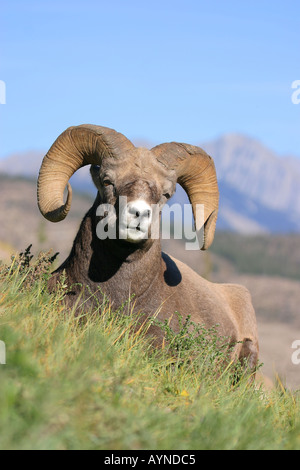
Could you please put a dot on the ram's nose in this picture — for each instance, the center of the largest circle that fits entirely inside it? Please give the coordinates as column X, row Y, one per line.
column 136, row 221
column 139, row 210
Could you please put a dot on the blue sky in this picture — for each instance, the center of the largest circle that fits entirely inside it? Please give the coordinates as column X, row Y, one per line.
column 162, row 70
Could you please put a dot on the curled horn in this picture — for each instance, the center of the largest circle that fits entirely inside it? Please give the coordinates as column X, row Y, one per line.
column 196, row 173
column 74, row 148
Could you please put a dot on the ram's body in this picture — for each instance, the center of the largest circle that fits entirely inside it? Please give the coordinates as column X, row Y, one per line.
column 132, row 262
column 160, row 284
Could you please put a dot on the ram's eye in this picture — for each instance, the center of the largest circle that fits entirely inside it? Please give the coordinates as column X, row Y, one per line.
column 107, row 183
column 167, row 195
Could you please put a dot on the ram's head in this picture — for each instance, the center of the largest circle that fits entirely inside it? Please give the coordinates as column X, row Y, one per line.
column 146, row 178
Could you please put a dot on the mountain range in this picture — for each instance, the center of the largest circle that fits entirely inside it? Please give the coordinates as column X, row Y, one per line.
column 259, row 190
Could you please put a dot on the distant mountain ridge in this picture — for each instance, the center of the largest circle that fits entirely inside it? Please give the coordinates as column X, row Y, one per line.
column 252, row 169
column 253, row 178
column 259, row 190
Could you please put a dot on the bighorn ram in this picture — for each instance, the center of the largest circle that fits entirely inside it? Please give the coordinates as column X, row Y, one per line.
column 133, row 263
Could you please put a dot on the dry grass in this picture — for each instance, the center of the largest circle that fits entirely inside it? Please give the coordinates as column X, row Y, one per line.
column 89, row 383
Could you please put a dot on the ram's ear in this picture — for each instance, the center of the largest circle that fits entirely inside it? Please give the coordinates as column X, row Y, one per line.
column 196, row 173
column 74, row 148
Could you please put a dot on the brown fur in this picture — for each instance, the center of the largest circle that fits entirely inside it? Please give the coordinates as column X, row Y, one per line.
column 160, row 284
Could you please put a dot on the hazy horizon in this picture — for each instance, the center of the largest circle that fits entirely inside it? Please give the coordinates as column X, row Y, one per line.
column 140, row 141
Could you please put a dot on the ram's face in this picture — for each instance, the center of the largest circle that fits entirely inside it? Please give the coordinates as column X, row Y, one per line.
column 137, row 187
column 144, row 177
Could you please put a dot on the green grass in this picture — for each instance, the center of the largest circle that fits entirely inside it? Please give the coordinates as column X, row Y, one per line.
column 95, row 382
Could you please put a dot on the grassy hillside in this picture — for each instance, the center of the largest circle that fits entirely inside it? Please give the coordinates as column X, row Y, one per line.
column 91, row 383
column 268, row 265
column 277, row 255
column 21, row 223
